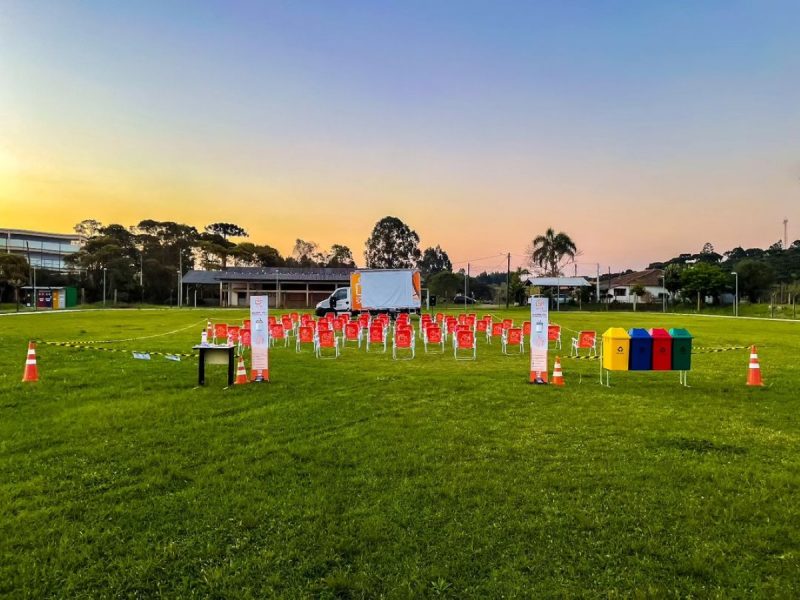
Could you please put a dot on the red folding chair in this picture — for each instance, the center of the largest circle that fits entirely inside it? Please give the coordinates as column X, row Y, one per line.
column 462, row 319
column 513, row 338
column 459, row 329
column 244, row 339
column 432, row 336
column 508, row 323
column 496, row 330
column 305, row 337
column 338, row 326
column 585, row 340
column 277, row 333
column 364, row 322
column 352, row 333
column 450, row 324
column 403, row 340
column 481, row 326
column 220, row 333
column 246, row 324
column 327, row 341
column 294, row 317
column 424, row 321
column 554, row 334
column 376, row 336
column 288, row 324
column 526, row 328
column 465, row 340
column 271, row 320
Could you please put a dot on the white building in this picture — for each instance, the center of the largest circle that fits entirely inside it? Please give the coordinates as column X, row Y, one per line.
column 42, row 250
column 619, row 288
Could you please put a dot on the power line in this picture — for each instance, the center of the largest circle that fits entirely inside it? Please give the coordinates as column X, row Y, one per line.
column 471, row 260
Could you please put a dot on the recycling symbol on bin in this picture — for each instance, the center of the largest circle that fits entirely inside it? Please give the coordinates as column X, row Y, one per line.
column 619, row 350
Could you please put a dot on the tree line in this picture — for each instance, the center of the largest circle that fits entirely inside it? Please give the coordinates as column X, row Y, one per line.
column 141, row 263
column 763, row 274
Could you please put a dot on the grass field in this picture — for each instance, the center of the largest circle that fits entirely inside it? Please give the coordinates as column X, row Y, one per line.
column 365, row 477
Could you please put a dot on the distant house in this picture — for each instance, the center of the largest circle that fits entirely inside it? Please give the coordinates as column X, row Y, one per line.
column 619, row 288
column 286, row 287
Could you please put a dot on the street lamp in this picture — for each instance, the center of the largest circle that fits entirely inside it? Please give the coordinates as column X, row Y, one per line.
column 104, row 287
column 736, row 295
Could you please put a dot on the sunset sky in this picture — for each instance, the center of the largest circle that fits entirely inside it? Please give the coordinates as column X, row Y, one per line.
column 642, row 129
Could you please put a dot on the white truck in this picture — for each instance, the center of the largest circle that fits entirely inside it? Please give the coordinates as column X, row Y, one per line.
column 376, row 290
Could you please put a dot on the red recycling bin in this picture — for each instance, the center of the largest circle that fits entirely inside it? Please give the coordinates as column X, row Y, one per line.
column 662, row 350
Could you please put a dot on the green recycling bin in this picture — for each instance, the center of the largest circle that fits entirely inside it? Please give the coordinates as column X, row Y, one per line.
column 681, row 349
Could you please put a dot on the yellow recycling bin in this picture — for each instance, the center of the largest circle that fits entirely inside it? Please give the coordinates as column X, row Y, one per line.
column 616, row 349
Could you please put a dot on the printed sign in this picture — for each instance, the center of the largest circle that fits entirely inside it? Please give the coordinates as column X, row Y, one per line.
column 259, row 338
column 539, row 322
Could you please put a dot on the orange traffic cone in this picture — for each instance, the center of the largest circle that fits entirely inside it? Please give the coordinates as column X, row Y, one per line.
column 754, row 372
column 31, row 370
column 558, row 378
column 241, row 372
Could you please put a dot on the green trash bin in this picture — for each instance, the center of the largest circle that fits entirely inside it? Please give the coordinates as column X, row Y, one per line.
column 681, row 349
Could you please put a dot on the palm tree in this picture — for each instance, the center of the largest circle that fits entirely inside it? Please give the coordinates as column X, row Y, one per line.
column 547, row 251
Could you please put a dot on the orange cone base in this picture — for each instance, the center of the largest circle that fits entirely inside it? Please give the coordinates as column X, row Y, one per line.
column 754, row 377
column 259, row 375
column 538, row 377
column 31, row 373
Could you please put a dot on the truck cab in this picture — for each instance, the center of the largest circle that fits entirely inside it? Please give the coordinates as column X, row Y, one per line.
column 338, row 301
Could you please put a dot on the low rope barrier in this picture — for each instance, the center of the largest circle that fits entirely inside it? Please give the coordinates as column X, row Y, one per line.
column 695, row 350
column 83, row 347
column 132, row 339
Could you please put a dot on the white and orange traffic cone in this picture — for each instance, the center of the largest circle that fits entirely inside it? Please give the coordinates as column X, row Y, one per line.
column 241, row 372
column 754, row 370
column 31, row 370
column 558, row 378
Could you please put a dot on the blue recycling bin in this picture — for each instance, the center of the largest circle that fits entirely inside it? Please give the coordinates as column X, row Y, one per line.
column 641, row 352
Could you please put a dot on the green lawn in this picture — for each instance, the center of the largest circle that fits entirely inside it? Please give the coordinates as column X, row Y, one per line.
column 365, row 477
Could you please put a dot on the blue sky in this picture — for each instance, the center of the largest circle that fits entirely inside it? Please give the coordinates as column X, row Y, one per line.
column 642, row 129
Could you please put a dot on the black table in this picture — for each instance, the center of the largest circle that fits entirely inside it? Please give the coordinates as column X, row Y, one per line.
column 215, row 355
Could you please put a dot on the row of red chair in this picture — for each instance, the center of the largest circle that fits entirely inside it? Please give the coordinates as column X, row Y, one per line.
column 326, row 335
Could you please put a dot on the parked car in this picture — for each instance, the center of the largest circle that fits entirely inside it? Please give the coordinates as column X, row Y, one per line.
column 462, row 299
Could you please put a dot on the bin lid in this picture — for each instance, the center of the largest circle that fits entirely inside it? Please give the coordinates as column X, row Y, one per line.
column 639, row 333
column 616, row 333
column 680, row 333
column 659, row 333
